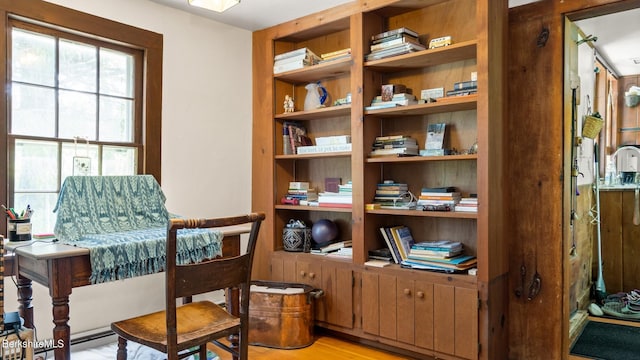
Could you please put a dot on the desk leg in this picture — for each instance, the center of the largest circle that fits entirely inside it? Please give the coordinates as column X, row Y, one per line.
column 60, row 289
column 25, row 296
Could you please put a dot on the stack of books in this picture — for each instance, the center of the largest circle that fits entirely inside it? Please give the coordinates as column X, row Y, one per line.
column 463, row 88
column 293, row 60
column 444, row 255
column 467, row 204
column 439, row 199
column 430, row 250
column 335, row 55
column 343, row 198
column 339, row 248
column 391, row 195
column 394, row 42
column 394, row 145
column 381, row 254
column 399, row 241
column 299, row 193
column 401, row 99
column 337, row 143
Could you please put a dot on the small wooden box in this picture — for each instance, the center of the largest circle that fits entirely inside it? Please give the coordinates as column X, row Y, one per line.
column 281, row 314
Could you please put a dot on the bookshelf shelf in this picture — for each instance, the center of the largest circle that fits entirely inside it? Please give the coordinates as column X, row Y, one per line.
column 411, row 159
column 312, row 208
column 429, row 57
column 450, row 104
column 326, row 70
column 313, row 156
column 324, row 113
column 436, row 214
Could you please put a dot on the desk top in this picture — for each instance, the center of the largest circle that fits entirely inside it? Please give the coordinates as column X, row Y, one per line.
column 47, row 249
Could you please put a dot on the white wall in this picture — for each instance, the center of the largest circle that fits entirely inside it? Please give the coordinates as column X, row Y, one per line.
column 206, row 144
column 586, row 66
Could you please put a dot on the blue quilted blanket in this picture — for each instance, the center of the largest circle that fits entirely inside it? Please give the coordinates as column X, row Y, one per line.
column 122, row 220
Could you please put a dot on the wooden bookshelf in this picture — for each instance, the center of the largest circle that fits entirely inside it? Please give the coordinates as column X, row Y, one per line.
column 417, row 313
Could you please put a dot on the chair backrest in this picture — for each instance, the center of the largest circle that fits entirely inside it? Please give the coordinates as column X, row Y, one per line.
column 214, row 274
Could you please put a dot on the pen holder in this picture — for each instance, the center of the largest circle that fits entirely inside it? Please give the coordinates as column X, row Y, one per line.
column 19, row 229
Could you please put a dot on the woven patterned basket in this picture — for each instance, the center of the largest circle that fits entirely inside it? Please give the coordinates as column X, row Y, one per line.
column 296, row 239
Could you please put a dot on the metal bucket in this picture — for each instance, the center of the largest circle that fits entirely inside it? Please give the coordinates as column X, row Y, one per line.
column 281, row 314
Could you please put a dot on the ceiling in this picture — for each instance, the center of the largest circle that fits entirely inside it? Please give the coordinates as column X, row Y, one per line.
column 618, row 34
column 258, row 14
column 618, row 40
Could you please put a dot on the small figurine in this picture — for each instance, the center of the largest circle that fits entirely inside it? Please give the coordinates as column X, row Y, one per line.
column 288, row 104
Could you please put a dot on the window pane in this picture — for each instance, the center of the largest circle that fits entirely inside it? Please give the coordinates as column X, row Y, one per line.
column 81, row 150
column 77, row 115
column 78, row 66
column 33, row 110
column 116, row 73
column 116, row 119
column 36, row 166
column 43, row 218
column 119, row 160
column 33, row 58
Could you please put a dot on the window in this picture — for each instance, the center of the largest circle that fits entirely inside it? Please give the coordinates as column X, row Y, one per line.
column 75, row 104
column 64, row 88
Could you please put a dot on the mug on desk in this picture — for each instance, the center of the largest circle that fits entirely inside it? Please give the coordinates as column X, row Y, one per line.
column 19, row 229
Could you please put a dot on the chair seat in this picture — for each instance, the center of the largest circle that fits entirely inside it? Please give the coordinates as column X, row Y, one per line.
column 195, row 323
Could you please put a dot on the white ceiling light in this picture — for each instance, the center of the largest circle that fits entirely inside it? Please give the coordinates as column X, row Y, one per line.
column 215, row 5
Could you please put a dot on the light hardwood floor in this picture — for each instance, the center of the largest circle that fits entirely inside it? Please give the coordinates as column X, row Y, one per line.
column 324, row 347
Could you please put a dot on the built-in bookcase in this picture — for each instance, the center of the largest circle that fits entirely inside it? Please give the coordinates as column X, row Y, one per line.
column 417, row 312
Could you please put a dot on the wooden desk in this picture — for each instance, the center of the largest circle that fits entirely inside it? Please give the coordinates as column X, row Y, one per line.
column 63, row 267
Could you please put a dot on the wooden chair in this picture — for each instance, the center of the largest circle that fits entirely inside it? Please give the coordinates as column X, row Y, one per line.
column 179, row 329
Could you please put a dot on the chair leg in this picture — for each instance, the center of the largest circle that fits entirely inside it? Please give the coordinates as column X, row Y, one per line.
column 122, row 349
column 203, row 352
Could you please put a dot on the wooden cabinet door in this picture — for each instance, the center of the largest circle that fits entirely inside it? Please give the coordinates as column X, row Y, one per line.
column 370, row 304
column 444, row 319
column 387, row 306
column 283, row 269
column 309, row 273
column 466, row 323
column 405, row 312
column 277, row 269
column 337, row 283
column 455, row 318
column 423, row 314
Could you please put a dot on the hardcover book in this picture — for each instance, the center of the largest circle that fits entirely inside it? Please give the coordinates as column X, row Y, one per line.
column 435, row 136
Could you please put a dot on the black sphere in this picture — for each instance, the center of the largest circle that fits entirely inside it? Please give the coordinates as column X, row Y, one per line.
column 324, row 231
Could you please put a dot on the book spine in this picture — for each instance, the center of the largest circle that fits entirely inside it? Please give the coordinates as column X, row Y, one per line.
column 299, row 185
column 394, row 252
column 294, row 65
column 401, row 30
column 313, row 149
column 336, row 53
column 297, row 52
column 464, row 85
column 393, row 37
column 386, row 44
column 336, row 205
column 333, row 140
column 398, row 242
column 304, row 57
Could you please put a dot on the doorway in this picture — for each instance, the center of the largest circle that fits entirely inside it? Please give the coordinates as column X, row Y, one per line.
column 601, row 241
